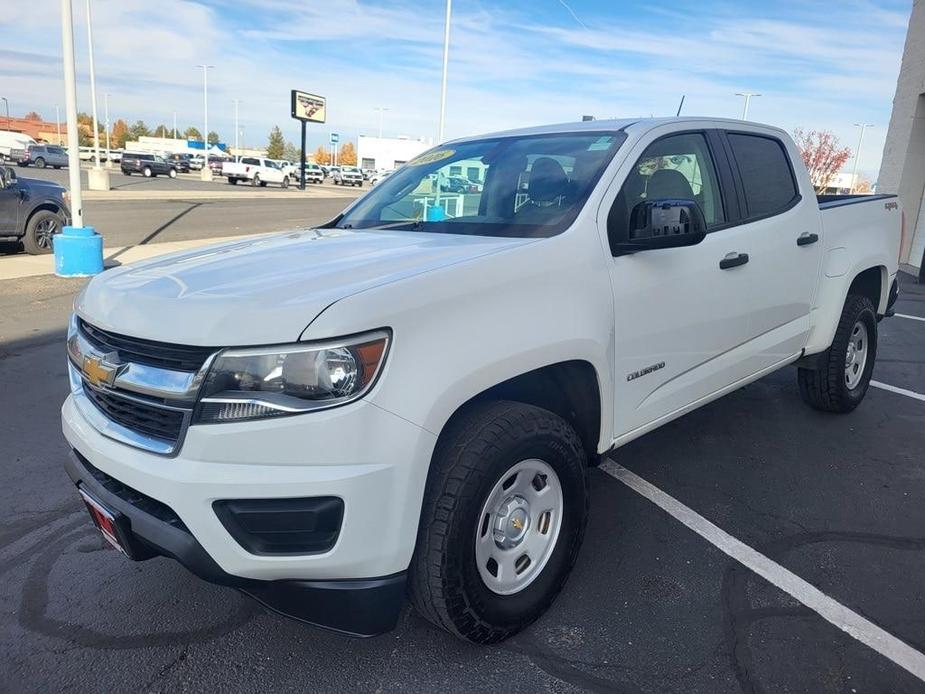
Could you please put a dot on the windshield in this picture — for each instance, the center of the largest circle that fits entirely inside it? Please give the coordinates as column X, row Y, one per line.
column 529, row 186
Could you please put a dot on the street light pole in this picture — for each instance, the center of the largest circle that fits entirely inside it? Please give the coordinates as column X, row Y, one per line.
column 58, row 124
column 236, row 102
column 748, row 97
column 9, row 123
column 174, row 125
column 857, row 154
column 380, row 109
column 446, row 58
column 206, row 171
column 70, row 113
column 96, row 130
column 106, row 116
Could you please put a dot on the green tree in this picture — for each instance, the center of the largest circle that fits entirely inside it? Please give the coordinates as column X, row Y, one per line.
column 213, row 138
column 139, row 129
column 162, row 131
column 192, row 133
column 292, row 153
column 277, row 144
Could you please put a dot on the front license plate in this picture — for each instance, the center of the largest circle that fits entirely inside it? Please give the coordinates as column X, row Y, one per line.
column 104, row 520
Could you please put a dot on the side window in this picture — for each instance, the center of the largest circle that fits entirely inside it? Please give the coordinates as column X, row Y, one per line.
column 765, row 172
column 675, row 167
column 249, row 160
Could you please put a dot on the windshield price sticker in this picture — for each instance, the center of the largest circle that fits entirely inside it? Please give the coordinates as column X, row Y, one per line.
column 431, row 157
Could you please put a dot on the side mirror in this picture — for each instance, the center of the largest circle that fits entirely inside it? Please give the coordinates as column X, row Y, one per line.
column 666, row 223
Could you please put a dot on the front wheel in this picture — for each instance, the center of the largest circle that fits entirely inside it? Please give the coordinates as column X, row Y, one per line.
column 40, row 232
column 840, row 381
column 503, row 517
column 172, row 173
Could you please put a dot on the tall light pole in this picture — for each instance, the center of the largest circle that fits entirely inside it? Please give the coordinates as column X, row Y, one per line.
column 174, row 125
column 96, row 130
column 9, row 124
column 106, row 117
column 381, row 109
column 857, row 154
column 748, row 97
column 236, row 102
column 70, row 112
column 446, row 59
column 206, row 171
column 58, row 123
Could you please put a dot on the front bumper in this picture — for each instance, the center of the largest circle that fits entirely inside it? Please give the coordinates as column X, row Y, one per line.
column 372, row 460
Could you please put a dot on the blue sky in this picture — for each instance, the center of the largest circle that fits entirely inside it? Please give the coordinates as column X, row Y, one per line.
column 818, row 65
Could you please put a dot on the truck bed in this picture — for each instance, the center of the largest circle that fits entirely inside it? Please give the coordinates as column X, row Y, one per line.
column 827, row 201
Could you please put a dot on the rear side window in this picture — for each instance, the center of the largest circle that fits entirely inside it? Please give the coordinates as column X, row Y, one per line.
column 765, row 172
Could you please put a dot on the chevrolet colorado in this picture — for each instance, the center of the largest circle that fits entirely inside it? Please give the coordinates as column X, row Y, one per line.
column 408, row 398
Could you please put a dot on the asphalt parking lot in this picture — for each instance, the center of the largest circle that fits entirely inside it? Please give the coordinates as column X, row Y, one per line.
column 839, row 501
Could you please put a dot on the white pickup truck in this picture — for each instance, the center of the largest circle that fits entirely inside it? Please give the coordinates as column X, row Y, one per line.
column 411, row 395
column 257, row 170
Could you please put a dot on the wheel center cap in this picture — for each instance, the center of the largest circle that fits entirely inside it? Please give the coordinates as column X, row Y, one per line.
column 512, row 521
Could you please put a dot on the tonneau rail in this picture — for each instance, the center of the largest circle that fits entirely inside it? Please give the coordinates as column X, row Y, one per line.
column 828, row 201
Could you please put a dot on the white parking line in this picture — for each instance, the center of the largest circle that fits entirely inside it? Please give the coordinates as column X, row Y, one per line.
column 904, row 315
column 834, row 612
column 900, row 391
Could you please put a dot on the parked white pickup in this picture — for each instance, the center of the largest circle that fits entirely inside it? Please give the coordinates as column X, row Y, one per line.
column 257, row 170
column 412, row 394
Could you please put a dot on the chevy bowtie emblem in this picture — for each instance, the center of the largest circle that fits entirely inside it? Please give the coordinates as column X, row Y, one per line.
column 98, row 370
column 517, row 523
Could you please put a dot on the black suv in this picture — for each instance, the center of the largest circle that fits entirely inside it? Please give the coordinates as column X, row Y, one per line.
column 181, row 161
column 147, row 165
column 32, row 211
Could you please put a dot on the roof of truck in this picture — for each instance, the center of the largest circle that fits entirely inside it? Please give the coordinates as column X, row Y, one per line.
column 610, row 126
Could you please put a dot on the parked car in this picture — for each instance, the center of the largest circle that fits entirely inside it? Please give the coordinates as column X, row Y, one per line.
column 256, row 170
column 115, row 154
column 217, row 164
column 368, row 173
column 346, row 176
column 410, row 398
column 326, row 170
column 180, row 161
column 41, row 156
column 378, row 176
column 32, row 211
column 287, row 167
column 148, row 165
column 196, row 162
column 13, row 145
column 313, row 173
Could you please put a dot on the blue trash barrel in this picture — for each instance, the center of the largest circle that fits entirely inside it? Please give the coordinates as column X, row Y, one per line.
column 78, row 252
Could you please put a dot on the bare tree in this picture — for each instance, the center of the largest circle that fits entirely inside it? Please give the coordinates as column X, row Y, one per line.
column 822, row 154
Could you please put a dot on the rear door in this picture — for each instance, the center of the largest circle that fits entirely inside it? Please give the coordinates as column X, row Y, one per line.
column 680, row 314
column 784, row 227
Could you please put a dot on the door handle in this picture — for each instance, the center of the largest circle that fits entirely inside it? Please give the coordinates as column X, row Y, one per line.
column 806, row 238
column 733, row 260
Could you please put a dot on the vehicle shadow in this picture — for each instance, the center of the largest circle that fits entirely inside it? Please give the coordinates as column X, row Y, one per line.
column 110, row 261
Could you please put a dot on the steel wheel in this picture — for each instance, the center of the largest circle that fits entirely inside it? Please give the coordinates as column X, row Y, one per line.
column 856, row 356
column 518, row 527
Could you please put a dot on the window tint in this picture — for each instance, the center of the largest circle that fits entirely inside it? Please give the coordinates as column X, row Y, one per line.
column 249, row 160
column 765, row 172
column 675, row 167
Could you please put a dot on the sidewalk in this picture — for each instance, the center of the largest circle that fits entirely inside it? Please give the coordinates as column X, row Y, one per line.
column 22, row 265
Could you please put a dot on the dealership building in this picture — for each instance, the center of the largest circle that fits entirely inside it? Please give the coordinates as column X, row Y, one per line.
column 903, row 167
column 388, row 152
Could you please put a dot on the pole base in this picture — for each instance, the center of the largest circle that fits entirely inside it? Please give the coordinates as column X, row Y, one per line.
column 98, row 179
column 206, row 173
column 78, row 252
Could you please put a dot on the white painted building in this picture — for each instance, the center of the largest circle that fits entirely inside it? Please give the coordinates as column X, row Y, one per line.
column 388, row 152
column 168, row 145
column 903, row 167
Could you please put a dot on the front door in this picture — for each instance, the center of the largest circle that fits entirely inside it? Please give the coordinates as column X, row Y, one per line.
column 681, row 314
column 9, row 206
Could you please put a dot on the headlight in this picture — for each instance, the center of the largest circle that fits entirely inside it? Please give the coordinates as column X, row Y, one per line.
column 261, row 382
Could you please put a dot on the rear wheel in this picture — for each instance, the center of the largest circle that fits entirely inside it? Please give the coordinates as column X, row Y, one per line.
column 285, row 183
column 255, row 181
column 232, row 181
column 146, row 172
column 841, row 380
column 40, row 163
column 503, row 518
column 40, row 232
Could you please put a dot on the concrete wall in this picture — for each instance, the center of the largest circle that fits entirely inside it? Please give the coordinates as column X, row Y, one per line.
column 903, row 168
column 388, row 152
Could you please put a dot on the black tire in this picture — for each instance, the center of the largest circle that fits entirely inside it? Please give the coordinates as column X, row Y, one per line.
column 255, row 181
column 172, row 173
column 147, row 172
column 127, row 173
column 285, row 183
column 476, row 451
column 40, row 163
column 232, row 181
column 40, row 230
column 57, row 167
column 826, row 387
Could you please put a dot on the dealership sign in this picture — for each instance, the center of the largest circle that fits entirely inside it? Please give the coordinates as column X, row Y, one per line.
column 308, row 107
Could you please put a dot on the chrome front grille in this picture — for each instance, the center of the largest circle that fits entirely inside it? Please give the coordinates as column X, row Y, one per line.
column 138, row 392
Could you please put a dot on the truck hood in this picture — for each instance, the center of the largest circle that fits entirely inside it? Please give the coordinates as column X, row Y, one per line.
column 264, row 290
